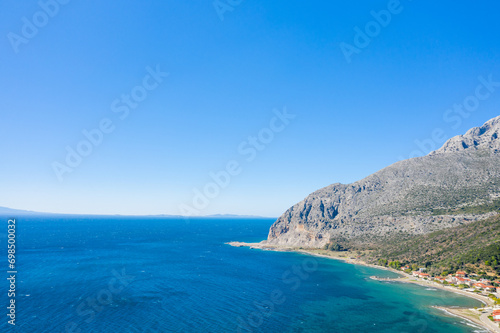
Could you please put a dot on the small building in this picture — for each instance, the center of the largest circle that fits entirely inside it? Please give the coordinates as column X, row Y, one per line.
column 424, row 275
column 468, row 282
column 479, row 285
column 415, row 273
column 451, row 279
column 461, row 274
column 460, row 280
column 496, row 315
column 483, row 286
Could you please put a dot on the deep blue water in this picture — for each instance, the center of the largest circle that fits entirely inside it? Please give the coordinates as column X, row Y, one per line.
column 94, row 274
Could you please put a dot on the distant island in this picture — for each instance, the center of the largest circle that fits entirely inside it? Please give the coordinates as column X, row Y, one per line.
column 5, row 211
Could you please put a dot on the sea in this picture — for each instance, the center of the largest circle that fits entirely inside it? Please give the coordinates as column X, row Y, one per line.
column 137, row 274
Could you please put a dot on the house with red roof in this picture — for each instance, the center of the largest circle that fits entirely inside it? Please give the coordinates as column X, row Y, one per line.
column 468, row 282
column 460, row 280
column 484, row 286
column 496, row 315
column 461, row 274
column 479, row 285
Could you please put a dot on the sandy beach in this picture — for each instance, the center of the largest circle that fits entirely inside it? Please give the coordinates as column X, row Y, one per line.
column 475, row 316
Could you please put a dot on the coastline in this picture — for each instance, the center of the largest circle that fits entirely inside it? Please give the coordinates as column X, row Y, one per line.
column 471, row 315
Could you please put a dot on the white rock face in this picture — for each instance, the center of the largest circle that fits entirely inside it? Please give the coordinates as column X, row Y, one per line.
column 401, row 197
column 484, row 137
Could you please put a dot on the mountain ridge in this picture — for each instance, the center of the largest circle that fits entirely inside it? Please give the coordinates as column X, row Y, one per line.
column 482, row 137
column 400, row 198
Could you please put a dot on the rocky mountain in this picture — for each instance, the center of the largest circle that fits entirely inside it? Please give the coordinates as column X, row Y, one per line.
column 411, row 197
column 484, row 137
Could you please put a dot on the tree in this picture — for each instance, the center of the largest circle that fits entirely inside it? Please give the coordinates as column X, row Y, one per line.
column 382, row 262
column 395, row 264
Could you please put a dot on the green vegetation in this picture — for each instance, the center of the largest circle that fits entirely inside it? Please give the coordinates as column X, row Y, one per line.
column 335, row 245
column 382, row 262
column 474, row 247
column 392, row 264
column 477, row 210
column 494, row 298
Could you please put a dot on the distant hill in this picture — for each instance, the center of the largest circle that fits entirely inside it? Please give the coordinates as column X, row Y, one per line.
column 233, row 216
column 4, row 211
column 18, row 212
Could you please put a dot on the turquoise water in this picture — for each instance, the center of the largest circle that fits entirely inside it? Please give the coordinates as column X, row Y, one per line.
column 94, row 274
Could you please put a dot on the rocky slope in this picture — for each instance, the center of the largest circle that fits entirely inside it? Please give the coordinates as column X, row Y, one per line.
column 484, row 137
column 400, row 198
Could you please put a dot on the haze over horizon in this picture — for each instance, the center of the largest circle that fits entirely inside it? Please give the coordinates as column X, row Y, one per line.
column 135, row 108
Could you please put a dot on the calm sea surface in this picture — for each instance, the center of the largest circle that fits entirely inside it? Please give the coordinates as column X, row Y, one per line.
column 95, row 274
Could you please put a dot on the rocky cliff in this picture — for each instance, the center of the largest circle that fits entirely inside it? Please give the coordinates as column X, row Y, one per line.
column 402, row 198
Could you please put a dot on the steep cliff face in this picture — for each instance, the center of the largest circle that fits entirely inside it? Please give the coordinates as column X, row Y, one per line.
column 401, row 197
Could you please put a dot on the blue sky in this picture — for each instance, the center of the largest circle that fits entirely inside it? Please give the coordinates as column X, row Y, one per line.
column 226, row 81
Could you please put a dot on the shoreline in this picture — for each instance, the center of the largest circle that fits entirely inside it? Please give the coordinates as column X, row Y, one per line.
column 464, row 313
column 460, row 314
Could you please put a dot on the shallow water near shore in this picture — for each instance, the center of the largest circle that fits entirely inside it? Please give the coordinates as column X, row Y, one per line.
column 129, row 274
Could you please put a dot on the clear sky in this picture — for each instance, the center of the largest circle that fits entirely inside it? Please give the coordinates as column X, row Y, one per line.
column 361, row 93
